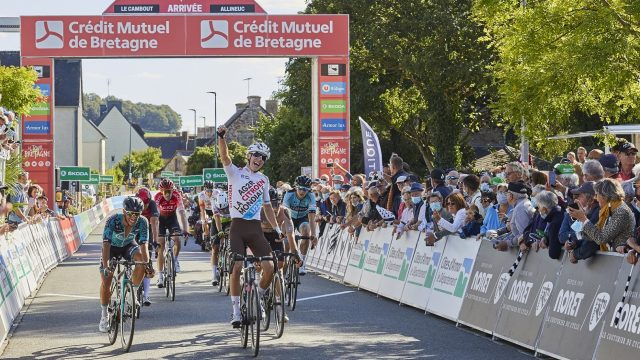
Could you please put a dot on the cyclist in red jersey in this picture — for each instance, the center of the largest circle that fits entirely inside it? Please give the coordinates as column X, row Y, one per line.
column 169, row 203
column 150, row 212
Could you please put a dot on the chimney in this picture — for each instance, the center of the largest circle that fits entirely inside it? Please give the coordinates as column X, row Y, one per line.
column 103, row 109
column 240, row 106
column 254, row 101
column 114, row 103
column 185, row 136
column 272, row 106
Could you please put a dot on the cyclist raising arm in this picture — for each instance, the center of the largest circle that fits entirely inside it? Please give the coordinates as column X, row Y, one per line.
column 248, row 193
column 302, row 204
column 125, row 235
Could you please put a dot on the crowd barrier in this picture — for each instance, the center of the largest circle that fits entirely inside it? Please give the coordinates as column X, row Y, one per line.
column 552, row 307
column 32, row 250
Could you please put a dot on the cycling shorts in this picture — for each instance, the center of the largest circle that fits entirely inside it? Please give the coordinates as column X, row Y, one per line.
column 209, row 213
column 248, row 233
column 297, row 223
column 275, row 245
column 125, row 252
column 169, row 223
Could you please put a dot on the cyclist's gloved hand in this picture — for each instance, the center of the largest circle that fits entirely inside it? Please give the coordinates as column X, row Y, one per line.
column 221, row 131
column 299, row 259
column 279, row 232
column 104, row 271
column 220, row 234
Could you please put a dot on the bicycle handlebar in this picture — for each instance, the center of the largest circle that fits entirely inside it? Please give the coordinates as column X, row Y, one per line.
column 252, row 258
column 300, row 237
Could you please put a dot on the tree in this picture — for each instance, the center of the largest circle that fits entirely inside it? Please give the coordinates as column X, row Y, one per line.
column 561, row 61
column 16, row 89
column 203, row 157
column 143, row 162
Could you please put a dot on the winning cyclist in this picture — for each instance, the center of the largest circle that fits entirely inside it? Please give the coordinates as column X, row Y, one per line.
column 150, row 212
column 222, row 218
column 125, row 235
column 302, row 204
column 249, row 192
column 169, row 203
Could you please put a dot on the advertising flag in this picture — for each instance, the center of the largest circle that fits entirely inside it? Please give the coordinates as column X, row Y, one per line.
column 371, row 147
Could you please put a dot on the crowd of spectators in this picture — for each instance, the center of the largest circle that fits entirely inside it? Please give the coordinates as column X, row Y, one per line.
column 590, row 201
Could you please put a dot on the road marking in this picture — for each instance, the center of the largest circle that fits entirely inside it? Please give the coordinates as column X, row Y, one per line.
column 326, row 295
column 74, row 296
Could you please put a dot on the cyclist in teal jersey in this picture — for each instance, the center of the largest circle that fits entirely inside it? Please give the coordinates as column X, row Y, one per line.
column 302, row 204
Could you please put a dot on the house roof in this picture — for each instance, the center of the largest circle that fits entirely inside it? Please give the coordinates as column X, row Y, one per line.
column 135, row 127
column 170, row 145
column 505, row 155
column 239, row 113
column 94, row 126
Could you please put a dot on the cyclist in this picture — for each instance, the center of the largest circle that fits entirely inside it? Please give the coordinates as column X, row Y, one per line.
column 169, row 203
column 222, row 218
column 125, row 235
column 302, row 204
column 150, row 212
column 284, row 220
column 205, row 205
column 249, row 192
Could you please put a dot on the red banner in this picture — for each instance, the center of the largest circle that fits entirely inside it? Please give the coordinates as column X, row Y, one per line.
column 182, row 35
column 333, row 150
column 181, row 6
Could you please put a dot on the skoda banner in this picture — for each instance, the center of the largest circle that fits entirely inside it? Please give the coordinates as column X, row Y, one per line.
column 621, row 341
column 525, row 297
column 215, row 175
column 75, row 173
column 577, row 307
column 479, row 310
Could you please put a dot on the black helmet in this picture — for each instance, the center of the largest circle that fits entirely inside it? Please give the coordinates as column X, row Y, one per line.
column 133, row 204
column 208, row 184
column 303, row 181
column 273, row 194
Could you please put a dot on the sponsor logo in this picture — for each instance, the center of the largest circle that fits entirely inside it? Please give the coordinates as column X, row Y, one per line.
column 333, row 69
column 520, row 291
column 36, row 127
column 42, row 71
column 599, row 309
column 333, row 106
column 568, row 302
column 45, row 89
column 543, row 296
column 49, row 34
column 333, row 124
column 333, row 88
column 232, row 8
column 500, row 288
column 214, row 34
column 481, row 281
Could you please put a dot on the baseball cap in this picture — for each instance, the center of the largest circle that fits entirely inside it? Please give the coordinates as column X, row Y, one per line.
column 564, row 169
column 338, row 178
column 586, row 188
column 496, row 180
column 620, row 142
column 401, row 179
column 437, row 174
column 609, row 162
column 416, row 187
column 628, row 146
column 519, row 187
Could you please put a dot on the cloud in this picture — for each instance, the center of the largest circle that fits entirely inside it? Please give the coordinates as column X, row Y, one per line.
column 149, row 76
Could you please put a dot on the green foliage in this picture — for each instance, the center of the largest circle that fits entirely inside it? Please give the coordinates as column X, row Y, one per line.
column 118, row 174
column 561, row 61
column 16, row 87
column 13, row 168
column 203, row 157
column 150, row 117
column 143, row 162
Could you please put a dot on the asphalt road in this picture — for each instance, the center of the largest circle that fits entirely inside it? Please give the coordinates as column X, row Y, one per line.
column 61, row 322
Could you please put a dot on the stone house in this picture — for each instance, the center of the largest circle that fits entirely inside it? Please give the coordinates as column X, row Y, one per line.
column 240, row 125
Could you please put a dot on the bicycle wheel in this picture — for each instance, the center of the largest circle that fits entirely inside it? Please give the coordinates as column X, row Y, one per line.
column 278, row 304
column 245, row 311
column 127, row 319
column 139, row 300
column 255, row 317
column 295, row 280
column 113, row 310
column 172, row 279
column 221, row 269
column 287, row 282
column 266, row 321
column 168, row 271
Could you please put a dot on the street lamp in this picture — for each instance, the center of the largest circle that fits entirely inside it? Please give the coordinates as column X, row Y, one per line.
column 195, row 129
column 130, row 127
column 204, row 123
column 215, row 126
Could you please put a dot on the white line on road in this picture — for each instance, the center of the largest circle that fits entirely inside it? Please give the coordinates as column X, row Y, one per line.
column 326, row 295
column 74, row 296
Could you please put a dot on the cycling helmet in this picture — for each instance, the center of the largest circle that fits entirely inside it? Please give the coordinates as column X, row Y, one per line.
column 132, row 203
column 303, row 181
column 222, row 201
column 260, row 148
column 166, row 184
column 144, row 194
column 208, row 185
column 273, row 194
column 222, row 186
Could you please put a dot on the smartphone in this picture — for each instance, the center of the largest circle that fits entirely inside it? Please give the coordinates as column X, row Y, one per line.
column 574, row 206
column 329, row 165
column 552, row 178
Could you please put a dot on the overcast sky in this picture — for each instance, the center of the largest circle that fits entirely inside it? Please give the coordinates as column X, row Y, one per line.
column 179, row 83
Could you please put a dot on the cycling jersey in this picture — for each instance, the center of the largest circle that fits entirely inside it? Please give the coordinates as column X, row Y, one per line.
column 247, row 192
column 151, row 210
column 169, row 207
column 300, row 208
column 208, row 200
column 114, row 231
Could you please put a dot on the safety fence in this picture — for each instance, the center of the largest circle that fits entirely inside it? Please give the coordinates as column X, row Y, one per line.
column 31, row 251
column 552, row 307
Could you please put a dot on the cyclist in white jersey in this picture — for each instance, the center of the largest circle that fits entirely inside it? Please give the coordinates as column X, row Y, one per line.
column 248, row 194
column 222, row 219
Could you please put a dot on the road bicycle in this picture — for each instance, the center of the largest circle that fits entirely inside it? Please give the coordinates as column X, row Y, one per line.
column 225, row 264
column 123, row 304
column 275, row 300
column 250, row 308
column 169, row 271
column 292, row 276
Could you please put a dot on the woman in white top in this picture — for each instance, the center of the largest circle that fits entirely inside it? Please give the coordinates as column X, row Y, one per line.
column 407, row 214
column 455, row 205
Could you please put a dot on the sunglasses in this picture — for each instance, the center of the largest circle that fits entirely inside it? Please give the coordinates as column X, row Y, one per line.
column 302, row 188
column 450, row 203
column 132, row 213
column 263, row 157
column 485, row 200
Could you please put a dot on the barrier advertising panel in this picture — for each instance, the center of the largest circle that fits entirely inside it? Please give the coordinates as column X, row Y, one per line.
column 482, row 301
column 374, row 259
column 525, row 297
column 397, row 266
column 621, row 341
column 451, row 280
column 579, row 301
column 422, row 271
column 356, row 258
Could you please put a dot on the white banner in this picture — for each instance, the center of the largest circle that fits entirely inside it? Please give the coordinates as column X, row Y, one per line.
column 422, row 272
column 356, row 258
column 397, row 265
column 374, row 259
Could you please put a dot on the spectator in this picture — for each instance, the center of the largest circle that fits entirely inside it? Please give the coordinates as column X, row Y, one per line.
column 518, row 197
column 472, row 222
column 358, row 181
column 497, row 215
column 592, row 170
column 453, row 179
column 354, row 206
column 471, row 189
column 19, row 199
column 369, row 214
column 344, row 191
column 514, row 171
column 43, row 210
column 394, row 198
column 336, row 209
column 437, row 183
column 627, row 156
column 33, row 192
column 570, row 231
column 338, row 180
column 457, row 207
column 571, row 156
column 407, row 214
column 552, row 216
column 538, row 178
column 595, row 154
column 485, row 183
column 488, row 200
column 609, row 163
column 431, row 228
column 615, row 222
column 582, row 155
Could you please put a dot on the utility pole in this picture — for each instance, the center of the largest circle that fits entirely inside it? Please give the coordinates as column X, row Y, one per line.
column 215, row 127
column 195, row 128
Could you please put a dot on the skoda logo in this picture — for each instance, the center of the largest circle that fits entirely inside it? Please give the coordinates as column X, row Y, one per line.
column 208, row 176
column 63, row 173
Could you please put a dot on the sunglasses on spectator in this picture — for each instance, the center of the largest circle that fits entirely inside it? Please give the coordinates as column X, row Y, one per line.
column 486, row 200
column 302, row 188
column 452, row 178
column 630, row 153
column 258, row 155
column 450, row 203
column 132, row 213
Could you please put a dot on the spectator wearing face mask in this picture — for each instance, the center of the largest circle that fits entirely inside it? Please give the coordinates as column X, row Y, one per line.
column 552, row 216
column 432, row 229
column 485, row 183
column 453, row 179
column 457, row 207
column 407, row 213
column 570, row 234
column 496, row 215
column 518, row 197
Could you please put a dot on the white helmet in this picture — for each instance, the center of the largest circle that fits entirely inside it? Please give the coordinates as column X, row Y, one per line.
column 260, row 148
column 222, row 201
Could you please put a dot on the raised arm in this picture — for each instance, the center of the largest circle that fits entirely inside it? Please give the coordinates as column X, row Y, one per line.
column 222, row 146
